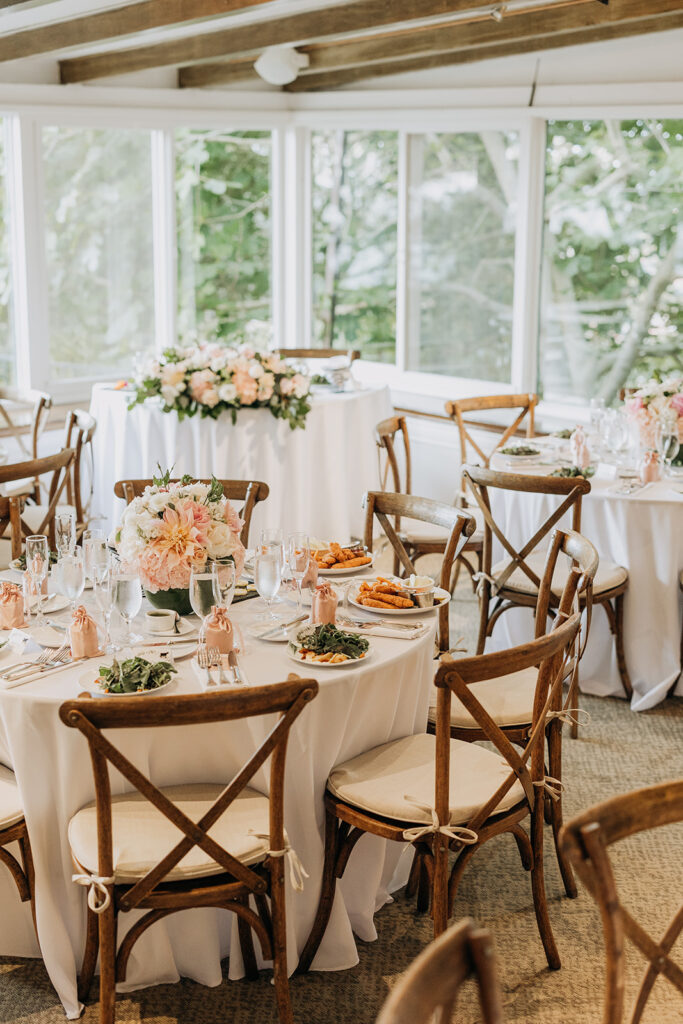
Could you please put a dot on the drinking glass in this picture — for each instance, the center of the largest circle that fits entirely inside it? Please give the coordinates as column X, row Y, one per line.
column 668, row 444
column 204, row 593
column 37, row 564
column 65, row 532
column 224, row 568
column 94, row 555
column 273, row 539
column 126, row 594
column 72, row 577
column 104, row 599
column 268, row 576
column 298, row 557
column 615, row 433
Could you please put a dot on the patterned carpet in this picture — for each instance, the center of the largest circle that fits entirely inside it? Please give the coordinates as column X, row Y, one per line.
column 616, row 752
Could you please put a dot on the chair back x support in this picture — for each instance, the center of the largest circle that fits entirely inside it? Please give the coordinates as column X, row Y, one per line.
column 470, row 449
column 381, row 505
column 430, row 985
column 586, row 840
column 249, row 492
column 57, row 467
column 80, row 430
column 25, row 413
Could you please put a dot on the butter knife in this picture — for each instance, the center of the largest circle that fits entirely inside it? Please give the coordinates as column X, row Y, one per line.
column 236, row 674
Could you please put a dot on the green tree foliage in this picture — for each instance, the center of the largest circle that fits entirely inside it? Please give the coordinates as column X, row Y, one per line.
column 613, row 260
column 223, row 212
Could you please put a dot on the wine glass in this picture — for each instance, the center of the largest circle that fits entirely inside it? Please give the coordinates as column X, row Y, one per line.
column 104, row 599
column 65, row 531
column 126, row 594
column 268, row 576
column 204, row 593
column 37, row 564
column 668, row 444
column 224, row 568
column 95, row 555
column 72, row 577
column 298, row 557
column 273, row 539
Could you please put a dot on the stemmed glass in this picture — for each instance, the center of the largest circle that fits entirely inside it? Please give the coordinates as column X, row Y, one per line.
column 268, row 575
column 104, row 598
column 298, row 557
column 72, row 577
column 95, row 555
column 224, row 568
column 126, row 595
column 37, row 563
column 668, row 444
column 65, row 532
column 272, row 539
column 205, row 592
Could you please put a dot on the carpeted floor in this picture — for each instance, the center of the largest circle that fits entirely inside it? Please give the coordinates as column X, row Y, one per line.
column 617, row 751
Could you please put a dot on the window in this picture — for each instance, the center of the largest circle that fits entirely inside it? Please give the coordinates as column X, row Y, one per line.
column 98, row 236
column 461, row 237
column 7, row 361
column 224, row 232
column 355, row 207
column 612, row 304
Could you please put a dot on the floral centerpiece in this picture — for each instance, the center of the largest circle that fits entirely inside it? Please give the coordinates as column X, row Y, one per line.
column 210, row 379
column 171, row 529
column 658, row 401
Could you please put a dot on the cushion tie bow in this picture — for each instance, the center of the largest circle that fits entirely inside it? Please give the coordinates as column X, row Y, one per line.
column 463, row 835
column 297, row 872
column 553, row 787
column 570, row 716
column 99, row 896
column 482, row 577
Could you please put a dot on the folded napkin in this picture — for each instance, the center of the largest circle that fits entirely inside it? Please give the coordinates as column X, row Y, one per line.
column 381, row 629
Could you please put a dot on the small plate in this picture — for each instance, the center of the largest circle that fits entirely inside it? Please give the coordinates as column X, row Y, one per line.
column 439, row 593
column 183, row 627
column 52, row 603
column 87, row 679
column 47, row 636
column 175, row 651
column 341, row 571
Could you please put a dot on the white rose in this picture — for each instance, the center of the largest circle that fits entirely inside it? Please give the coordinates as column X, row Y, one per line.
column 220, row 540
column 210, row 398
column 227, row 392
column 256, row 371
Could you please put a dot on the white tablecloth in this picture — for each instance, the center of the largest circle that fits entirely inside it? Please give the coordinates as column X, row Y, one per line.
column 644, row 533
column 317, row 475
column 356, row 709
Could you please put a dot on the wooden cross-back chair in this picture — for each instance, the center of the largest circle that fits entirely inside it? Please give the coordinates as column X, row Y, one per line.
column 319, row 353
column 57, row 467
column 586, row 840
column 419, row 538
column 430, row 985
column 249, row 492
column 509, row 700
column 446, row 796
column 80, row 430
column 459, row 410
column 456, row 525
column 25, row 413
column 132, row 864
column 513, row 581
column 13, row 830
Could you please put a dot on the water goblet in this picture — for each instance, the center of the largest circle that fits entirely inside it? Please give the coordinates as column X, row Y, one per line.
column 298, row 557
column 72, row 577
column 273, row 539
column 37, row 564
column 668, row 444
column 204, row 593
column 104, row 599
column 94, row 554
column 268, row 576
column 65, row 531
column 224, row 568
column 126, row 594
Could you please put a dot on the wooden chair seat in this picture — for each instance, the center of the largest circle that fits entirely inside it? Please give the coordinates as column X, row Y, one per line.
column 509, row 700
column 396, row 780
column 11, row 810
column 609, row 576
column 142, row 835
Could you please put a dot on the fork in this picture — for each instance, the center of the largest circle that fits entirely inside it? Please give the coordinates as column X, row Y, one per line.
column 48, row 657
column 204, row 661
column 367, row 623
column 215, row 661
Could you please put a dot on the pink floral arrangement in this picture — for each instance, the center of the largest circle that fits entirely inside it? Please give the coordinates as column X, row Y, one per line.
column 174, row 527
column 658, row 401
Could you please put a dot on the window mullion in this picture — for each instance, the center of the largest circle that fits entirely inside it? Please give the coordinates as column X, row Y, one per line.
column 165, row 244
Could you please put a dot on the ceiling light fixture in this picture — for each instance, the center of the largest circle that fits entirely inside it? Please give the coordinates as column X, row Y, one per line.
column 280, row 65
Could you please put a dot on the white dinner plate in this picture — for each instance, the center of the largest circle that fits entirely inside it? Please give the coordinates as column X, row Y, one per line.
column 52, row 603
column 295, row 655
column 88, row 679
column 341, row 571
column 48, row 636
column 176, row 651
column 521, row 460
column 439, row 593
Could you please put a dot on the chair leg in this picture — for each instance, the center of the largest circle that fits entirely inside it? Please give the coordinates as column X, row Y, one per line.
column 483, row 619
column 107, row 927
column 424, row 887
column 440, row 885
column 414, row 876
column 619, row 643
column 92, row 945
column 280, row 978
column 555, row 771
column 538, row 889
column 247, row 945
column 27, row 861
column 327, row 891
column 573, row 703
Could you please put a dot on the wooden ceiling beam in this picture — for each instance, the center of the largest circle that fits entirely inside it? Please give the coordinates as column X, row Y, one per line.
column 596, row 33
column 122, row 21
column 307, row 26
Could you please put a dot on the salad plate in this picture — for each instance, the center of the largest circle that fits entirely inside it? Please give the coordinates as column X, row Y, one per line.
column 146, row 673
column 326, row 646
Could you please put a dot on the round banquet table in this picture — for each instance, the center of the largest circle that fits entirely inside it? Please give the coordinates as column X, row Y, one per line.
column 356, row 709
column 642, row 532
column 317, row 475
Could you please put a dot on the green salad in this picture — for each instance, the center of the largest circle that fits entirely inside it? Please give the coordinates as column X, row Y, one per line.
column 327, row 639
column 571, row 471
column 519, row 449
column 564, row 434
column 133, row 675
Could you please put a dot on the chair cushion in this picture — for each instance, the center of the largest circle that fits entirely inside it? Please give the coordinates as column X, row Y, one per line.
column 382, row 780
column 509, row 700
column 11, row 810
column 33, row 515
column 609, row 575
column 142, row 835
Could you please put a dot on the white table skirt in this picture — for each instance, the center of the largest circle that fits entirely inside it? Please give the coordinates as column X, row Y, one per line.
column 317, row 475
column 356, row 709
column 644, row 533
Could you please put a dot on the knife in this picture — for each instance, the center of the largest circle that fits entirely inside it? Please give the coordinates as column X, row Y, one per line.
column 282, row 625
column 236, row 674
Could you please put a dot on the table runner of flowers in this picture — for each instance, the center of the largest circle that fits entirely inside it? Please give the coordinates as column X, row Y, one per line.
column 210, row 379
column 658, row 401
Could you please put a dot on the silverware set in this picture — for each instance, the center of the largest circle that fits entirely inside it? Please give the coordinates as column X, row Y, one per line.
column 210, row 657
column 44, row 662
